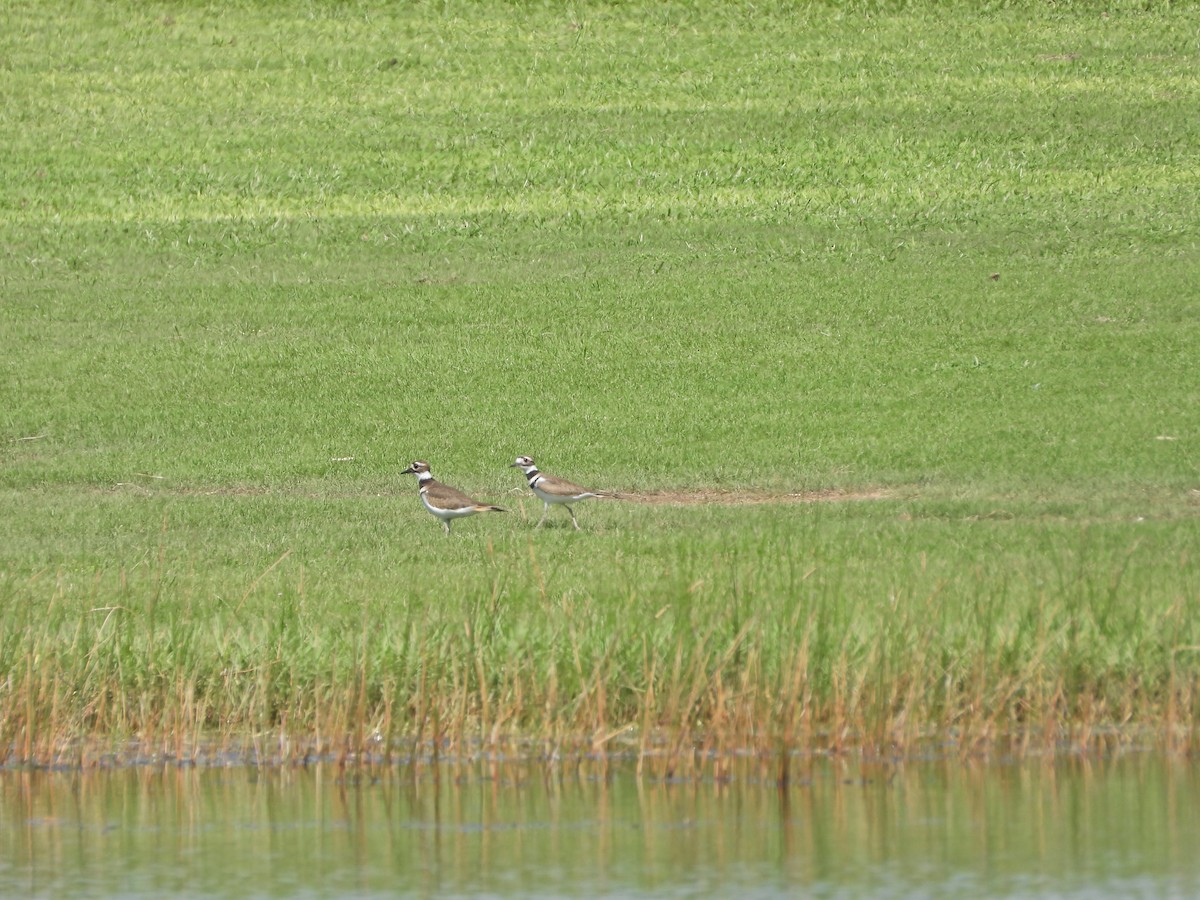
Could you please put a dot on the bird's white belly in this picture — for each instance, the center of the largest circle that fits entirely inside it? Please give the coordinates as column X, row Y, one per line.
column 551, row 498
column 447, row 513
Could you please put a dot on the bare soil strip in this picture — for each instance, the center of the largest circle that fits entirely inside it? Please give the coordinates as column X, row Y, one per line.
column 673, row 497
column 719, row 497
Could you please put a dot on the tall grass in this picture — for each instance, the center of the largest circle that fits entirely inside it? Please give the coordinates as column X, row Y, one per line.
column 687, row 635
column 255, row 262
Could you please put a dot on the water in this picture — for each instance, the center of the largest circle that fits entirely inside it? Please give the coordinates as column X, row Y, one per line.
column 1126, row 827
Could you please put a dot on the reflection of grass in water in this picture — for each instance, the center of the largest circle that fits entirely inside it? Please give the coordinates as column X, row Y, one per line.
column 927, row 829
column 249, row 280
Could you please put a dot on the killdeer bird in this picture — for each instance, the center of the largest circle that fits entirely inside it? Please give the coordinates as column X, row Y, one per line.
column 553, row 490
column 444, row 502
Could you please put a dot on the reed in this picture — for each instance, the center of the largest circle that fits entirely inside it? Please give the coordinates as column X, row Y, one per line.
column 880, row 654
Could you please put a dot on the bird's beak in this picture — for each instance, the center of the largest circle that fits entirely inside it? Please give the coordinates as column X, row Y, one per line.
column 514, row 465
column 409, row 471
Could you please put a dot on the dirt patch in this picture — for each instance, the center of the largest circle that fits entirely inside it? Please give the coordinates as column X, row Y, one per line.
column 678, row 497
column 717, row 497
column 226, row 490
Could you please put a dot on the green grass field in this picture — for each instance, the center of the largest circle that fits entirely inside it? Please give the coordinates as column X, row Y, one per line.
column 921, row 283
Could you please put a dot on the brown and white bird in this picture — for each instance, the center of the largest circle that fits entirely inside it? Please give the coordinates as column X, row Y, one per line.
column 553, row 490
column 442, row 500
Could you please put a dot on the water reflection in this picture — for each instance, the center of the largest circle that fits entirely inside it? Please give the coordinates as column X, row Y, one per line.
column 1117, row 828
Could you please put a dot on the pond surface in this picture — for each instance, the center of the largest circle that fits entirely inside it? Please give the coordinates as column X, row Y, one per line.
column 1125, row 827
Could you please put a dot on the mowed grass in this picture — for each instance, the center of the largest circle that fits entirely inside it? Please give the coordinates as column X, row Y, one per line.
column 920, row 283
